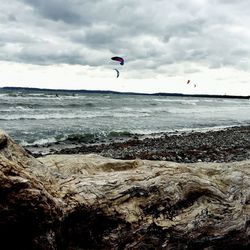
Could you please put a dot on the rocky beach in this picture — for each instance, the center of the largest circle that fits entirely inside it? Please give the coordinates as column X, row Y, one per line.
column 221, row 145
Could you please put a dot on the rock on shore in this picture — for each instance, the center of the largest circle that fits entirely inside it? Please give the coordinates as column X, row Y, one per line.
column 93, row 202
column 223, row 145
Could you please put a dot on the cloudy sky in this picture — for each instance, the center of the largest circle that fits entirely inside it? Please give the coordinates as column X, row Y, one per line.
column 68, row 44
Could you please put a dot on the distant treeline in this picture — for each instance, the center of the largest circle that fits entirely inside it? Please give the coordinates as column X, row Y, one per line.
column 83, row 91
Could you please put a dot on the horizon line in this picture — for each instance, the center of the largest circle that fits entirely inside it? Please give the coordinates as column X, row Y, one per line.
column 126, row 92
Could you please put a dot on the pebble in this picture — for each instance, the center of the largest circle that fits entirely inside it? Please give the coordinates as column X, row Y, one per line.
column 231, row 144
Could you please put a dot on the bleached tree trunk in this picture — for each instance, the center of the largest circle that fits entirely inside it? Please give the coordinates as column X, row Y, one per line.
column 92, row 202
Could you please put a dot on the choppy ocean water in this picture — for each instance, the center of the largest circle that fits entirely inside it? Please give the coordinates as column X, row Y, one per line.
column 43, row 117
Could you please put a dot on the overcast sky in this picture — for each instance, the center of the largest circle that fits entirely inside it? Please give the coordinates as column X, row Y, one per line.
column 69, row 43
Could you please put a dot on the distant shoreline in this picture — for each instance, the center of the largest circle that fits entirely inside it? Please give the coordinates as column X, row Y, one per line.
column 83, row 91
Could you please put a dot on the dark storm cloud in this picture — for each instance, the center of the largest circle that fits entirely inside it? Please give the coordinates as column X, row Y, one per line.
column 149, row 34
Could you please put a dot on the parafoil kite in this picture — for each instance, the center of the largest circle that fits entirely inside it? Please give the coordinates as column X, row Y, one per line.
column 118, row 73
column 119, row 59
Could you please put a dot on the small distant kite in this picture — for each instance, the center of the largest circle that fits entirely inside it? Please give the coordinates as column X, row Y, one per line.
column 188, row 81
column 119, row 59
column 118, row 73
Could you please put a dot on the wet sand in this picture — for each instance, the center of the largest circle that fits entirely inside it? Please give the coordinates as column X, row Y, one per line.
column 225, row 145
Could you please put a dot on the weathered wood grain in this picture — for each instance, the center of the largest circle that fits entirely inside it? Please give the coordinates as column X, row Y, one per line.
column 92, row 202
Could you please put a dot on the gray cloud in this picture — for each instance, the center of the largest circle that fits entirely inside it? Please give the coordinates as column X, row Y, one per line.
column 56, row 10
column 151, row 35
column 12, row 18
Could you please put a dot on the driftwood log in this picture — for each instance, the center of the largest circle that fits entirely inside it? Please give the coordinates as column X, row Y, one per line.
column 92, row 202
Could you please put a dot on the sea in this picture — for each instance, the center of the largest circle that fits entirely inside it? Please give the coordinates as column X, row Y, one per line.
column 42, row 117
